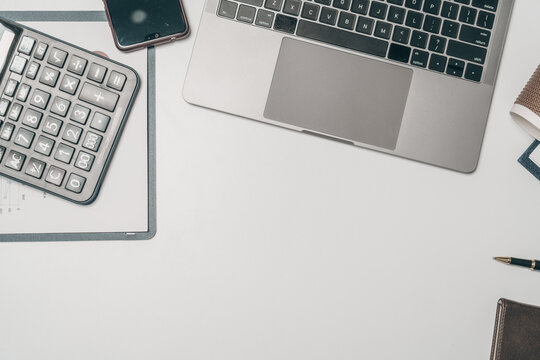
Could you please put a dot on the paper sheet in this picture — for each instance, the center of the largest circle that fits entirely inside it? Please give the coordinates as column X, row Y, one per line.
column 122, row 205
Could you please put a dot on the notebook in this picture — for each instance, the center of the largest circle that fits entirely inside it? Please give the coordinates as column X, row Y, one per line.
column 517, row 332
column 125, row 208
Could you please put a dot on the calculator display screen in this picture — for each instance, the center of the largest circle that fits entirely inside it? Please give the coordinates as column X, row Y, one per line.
column 6, row 39
column 138, row 21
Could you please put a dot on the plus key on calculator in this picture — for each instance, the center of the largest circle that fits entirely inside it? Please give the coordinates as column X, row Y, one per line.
column 62, row 110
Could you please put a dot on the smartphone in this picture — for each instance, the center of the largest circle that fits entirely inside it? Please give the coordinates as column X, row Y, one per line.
column 137, row 24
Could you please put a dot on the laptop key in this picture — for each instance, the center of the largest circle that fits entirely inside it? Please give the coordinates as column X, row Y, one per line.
column 365, row 25
column 466, row 52
column 346, row 20
column 292, row 7
column 228, row 9
column 246, row 14
column 432, row 24
column 414, row 19
column 383, row 30
column 258, row 3
column 474, row 35
column 413, row 4
column 378, row 10
column 273, row 4
column 342, row 4
column 437, row 44
column 490, row 5
column 346, row 39
column 467, row 15
column 485, row 20
column 455, row 67
column 399, row 53
column 419, row 39
column 310, row 11
column 473, row 72
column 419, row 58
column 437, row 63
column 450, row 10
column 328, row 16
column 432, row 6
column 450, row 29
column 396, row 15
column 401, row 35
column 285, row 23
column 264, row 18
column 360, row 6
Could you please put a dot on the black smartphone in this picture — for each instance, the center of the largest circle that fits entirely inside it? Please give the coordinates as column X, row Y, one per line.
column 138, row 24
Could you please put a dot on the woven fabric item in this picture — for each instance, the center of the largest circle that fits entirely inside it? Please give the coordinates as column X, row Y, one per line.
column 530, row 96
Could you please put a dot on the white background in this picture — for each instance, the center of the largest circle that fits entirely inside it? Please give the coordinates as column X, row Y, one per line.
column 277, row 245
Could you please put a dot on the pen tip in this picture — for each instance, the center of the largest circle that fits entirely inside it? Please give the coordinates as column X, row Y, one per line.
column 505, row 260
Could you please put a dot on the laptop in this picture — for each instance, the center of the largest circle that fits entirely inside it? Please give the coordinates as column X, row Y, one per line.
column 412, row 78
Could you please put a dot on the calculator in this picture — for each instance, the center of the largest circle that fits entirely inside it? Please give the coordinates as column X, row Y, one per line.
column 62, row 111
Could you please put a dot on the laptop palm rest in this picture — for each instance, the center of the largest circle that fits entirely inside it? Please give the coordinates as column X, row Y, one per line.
column 338, row 94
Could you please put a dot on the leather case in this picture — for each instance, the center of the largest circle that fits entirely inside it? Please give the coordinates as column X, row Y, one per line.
column 517, row 332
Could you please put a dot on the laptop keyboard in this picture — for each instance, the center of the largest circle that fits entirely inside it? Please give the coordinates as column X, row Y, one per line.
column 450, row 37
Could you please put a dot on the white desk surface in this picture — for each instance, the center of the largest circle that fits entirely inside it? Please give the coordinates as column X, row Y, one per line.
column 276, row 245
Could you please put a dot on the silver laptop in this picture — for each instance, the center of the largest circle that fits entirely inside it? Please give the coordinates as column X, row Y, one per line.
column 413, row 78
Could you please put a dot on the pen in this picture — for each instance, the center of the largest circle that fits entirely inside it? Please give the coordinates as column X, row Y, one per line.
column 531, row 264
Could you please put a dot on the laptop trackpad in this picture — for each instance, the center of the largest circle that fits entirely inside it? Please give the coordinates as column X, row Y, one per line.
column 339, row 94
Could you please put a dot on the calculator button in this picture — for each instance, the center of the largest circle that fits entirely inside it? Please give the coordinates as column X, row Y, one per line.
column 7, row 131
column 44, row 145
column 75, row 183
column 64, row 153
column 116, row 81
column 24, row 138
column 92, row 141
column 69, row 84
column 2, row 152
column 40, row 99
column 26, row 45
column 15, row 112
column 49, row 76
column 80, row 114
column 40, row 51
column 18, row 65
column 32, row 71
column 72, row 134
column 96, row 73
column 60, row 106
column 57, row 57
column 100, row 122
column 15, row 160
column 35, row 168
column 11, row 87
column 77, row 65
column 32, row 118
column 52, row 126
column 24, row 90
column 55, row 175
column 84, row 161
column 99, row 97
column 4, row 105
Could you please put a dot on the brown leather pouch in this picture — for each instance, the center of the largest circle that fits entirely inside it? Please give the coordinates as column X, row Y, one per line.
column 517, row 332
